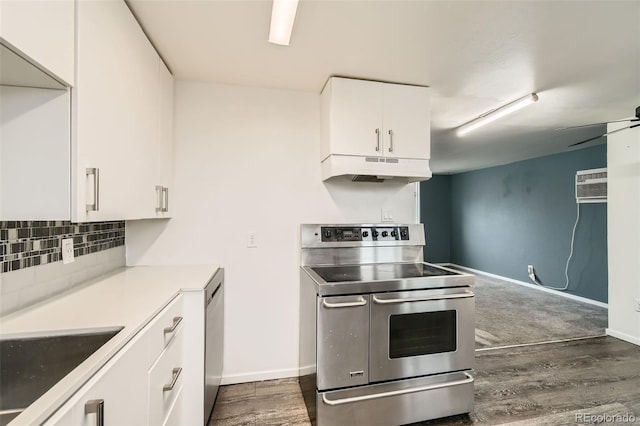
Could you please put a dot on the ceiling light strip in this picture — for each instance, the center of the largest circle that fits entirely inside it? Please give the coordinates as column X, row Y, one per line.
column 497, row 113
column 283, row 13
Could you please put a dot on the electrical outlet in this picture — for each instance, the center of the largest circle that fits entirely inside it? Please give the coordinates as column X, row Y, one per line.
column 67, row 250
column 387, row 215
column 638, row 305
column 530, row 270
column 252, row 239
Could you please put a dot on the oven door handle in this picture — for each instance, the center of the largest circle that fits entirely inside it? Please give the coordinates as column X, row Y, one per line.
column 425, row 298
column 469, row 379
column 360, row 302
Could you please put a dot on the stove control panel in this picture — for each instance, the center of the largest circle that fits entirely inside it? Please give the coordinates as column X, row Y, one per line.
column 370, row 233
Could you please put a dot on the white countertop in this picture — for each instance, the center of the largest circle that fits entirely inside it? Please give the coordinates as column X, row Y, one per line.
column 127, row 297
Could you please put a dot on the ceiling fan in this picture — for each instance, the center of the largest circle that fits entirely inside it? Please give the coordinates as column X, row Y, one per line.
column 631, row 126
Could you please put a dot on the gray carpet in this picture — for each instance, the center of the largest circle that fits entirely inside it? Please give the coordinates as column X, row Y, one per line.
column 512, row 314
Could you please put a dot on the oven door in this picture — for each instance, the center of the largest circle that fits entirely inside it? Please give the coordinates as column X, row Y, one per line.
column 415, row 333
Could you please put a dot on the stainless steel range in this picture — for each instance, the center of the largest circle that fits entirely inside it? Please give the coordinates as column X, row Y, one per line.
column 385, row 338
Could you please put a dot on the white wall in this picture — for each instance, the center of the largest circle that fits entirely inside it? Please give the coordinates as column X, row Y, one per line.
column 248, row 159
column 623, row 162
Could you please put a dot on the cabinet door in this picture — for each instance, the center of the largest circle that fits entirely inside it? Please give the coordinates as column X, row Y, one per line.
column 116, row 111
column 43, row 31
column 176, row 416
column 355, row 117
column 121, row 384
column 164, row 150
column 406, row 121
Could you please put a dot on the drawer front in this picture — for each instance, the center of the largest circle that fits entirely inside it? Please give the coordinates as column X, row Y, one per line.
column 164, row 327
column 165, row 381
column 174, row 417
column 399, row 402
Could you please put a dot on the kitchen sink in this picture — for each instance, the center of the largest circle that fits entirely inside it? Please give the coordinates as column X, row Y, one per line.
column 30, row 366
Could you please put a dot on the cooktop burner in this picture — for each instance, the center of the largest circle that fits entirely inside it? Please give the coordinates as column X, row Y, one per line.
column 378, row 272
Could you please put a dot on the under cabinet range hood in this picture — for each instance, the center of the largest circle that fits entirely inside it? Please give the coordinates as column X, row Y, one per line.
column 375, row 169
column 374, row 131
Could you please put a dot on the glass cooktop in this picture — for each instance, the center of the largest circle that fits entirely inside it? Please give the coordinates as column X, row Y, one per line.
column 378, row 272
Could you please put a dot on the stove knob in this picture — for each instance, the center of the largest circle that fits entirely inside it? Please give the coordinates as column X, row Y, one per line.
column 394, row 233
column 385, row 233
column 327, row 233
column 375, row 234
column 365, row 234
column 404, row 233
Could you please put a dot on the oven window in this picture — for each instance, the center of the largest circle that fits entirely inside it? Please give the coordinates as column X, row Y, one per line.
column 423, row 333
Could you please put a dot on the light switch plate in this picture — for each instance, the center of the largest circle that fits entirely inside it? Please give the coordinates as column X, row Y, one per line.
column 252, row 239
column 387, row 215
column 67, row 250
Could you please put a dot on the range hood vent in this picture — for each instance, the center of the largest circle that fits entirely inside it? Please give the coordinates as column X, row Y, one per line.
column 369, row 178
column 376, row 169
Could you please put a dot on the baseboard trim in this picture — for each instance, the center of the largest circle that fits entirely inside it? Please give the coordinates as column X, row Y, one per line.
column 623, row 336
column 548, row 342
column 258, row 376
column 533, row 286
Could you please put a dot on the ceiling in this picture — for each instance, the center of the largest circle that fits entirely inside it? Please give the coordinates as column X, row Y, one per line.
column 581, row 57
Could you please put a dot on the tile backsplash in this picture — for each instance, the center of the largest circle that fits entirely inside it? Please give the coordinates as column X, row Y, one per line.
column 31, row 258
column 25, row 244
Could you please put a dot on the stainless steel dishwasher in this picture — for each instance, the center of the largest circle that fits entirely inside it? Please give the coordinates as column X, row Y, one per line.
column 214, row 340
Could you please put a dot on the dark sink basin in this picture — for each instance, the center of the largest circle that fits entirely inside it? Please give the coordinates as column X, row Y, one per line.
column 30, row 366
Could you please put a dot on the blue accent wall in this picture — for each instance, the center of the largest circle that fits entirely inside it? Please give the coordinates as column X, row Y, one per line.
column 435, row 214
column 507, row 217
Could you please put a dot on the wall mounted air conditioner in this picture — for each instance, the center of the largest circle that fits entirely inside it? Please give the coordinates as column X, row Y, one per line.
column 591, row 186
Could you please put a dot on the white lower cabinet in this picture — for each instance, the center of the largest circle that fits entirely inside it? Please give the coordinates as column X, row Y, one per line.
column 176, row 412
column 121, row 385
column 165, row 381
column 142, row 384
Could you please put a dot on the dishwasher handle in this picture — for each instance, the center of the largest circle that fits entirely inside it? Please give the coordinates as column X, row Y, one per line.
column 213, row 287
column 213, row 295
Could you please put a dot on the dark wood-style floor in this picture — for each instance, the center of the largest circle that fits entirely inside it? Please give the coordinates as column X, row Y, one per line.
column 547, row 384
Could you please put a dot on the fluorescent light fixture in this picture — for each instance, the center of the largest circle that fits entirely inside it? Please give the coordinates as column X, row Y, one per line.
column 283, row 13
column 493, row 115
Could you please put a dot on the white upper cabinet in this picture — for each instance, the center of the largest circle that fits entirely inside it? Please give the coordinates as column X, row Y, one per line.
column 406, row 121
column 103, row 146
column 367, row 118
column 164, row 161
column 40, row 33
column 354, row 117
column 117, row 110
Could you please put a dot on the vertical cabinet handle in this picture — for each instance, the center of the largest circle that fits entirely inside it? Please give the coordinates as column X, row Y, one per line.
column 165, row 192
column 390, row 140
column 95, row 172
column 95, row 406
column 159, row 198
column 377, row 139
column 162, row 198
